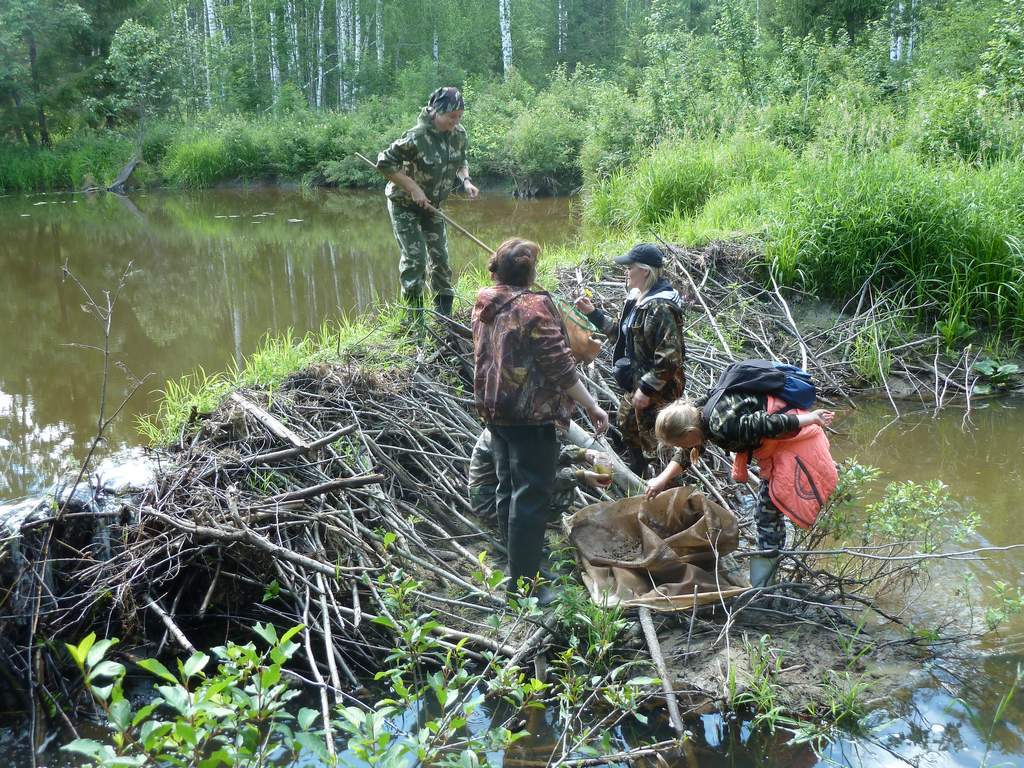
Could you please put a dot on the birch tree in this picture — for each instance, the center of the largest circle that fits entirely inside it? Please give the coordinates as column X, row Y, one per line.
column 292, row 37
column 505, row 26
column 320, row 55
column 378, row 17
column 275, row 67
column 562, row 27
column 342, row 9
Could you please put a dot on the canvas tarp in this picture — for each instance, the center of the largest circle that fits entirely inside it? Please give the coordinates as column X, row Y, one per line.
column 664, row 554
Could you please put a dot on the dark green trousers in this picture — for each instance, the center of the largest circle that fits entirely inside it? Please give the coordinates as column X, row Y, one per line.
column 525, row 460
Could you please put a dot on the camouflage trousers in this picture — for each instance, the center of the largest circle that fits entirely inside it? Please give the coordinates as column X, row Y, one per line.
column 771, row 525
column 423, row 247
column 638, row 430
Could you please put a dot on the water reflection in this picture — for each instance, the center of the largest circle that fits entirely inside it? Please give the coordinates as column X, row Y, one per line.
column 213, row 272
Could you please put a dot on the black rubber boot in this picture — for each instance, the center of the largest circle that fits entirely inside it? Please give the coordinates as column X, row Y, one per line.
column 443, row 304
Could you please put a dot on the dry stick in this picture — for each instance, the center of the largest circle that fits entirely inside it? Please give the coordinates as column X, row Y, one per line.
column 325, row 708
column 274, row 456
column 209, row 592
column 696, row 291
column 319, row 490
column 651, row 635
column 272, row 423
column 173, row 628
column 251, row 537
column 439, row 212
column 789, row 318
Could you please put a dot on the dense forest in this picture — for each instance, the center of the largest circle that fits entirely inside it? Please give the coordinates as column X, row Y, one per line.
column 557, row 90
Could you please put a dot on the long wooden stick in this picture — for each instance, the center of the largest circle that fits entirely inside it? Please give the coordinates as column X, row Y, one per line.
column 438, row 211
column 654, row 647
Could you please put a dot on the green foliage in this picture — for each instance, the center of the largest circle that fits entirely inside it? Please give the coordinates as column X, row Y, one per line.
column 762, row 692
column 960, row 120
column 234, row 715
column 378, row 343
column 144, row 69
column 938, row 236
column 920, row 513
column 997, row 375
column 1003, row 59
column 1009, row 603
column 855, row 479
column 678, row 179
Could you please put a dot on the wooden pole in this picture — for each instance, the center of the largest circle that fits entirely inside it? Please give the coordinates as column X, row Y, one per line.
column 654, row 647
column 440, row 213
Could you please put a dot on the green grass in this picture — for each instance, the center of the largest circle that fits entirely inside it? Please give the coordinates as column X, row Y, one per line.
column 679, row 178
column 944, row 235
column 375, row 343
column 96, row 156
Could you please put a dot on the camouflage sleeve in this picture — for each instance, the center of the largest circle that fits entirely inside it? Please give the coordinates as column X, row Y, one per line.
column 401, row 152
column 605, row 324
column 666, row 339
column 571, row 454
column 741, row 422
column 551, row 350
column 681, row 457
column 566, row 480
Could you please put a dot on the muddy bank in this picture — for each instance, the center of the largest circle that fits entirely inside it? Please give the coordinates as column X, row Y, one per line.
column 307, row 504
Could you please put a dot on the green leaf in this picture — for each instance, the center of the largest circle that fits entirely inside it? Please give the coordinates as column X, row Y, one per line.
column 106, row 669
column 185, row 733
column 80, row 651
column 98, row 651
column 195, row 664
column 154, row 667
column 307, row 717
column 288, row 635
column 267, row 631
column 270, row 676
column 152, row 732
column 120, row 714
column 175, row 696
column 89, row 748
column 143, row 714
column 314, row 744
column 102, row 692
column 272, row 591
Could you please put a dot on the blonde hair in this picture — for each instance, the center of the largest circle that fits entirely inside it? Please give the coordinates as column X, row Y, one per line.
column 653, row 273
column 678, row 420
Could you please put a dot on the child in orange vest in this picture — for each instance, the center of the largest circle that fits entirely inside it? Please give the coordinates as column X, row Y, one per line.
column 797, row 471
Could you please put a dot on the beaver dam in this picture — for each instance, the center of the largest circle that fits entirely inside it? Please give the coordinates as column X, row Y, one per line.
column 337, row 502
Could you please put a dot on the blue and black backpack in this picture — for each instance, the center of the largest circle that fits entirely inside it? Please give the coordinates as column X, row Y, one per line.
column 764, row 377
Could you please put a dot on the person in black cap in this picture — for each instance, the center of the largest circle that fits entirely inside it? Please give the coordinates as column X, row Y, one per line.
column 422, row 167
column 649, row 350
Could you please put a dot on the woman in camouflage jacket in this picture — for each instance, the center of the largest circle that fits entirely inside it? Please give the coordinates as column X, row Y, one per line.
column 525, row 383
column 422, row 167
column 649, row 350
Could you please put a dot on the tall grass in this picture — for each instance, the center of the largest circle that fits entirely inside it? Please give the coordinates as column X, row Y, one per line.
column 943, row 235
column 91, row 157
column 678, row 178
column 946, row 235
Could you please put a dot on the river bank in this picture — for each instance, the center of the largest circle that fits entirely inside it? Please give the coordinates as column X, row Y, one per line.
column 237, row 501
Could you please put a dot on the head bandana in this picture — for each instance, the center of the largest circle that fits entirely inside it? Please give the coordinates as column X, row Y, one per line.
column 446, row 99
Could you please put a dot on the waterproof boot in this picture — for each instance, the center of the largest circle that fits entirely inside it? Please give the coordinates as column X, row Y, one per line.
column 443, row 304
column 762, row 570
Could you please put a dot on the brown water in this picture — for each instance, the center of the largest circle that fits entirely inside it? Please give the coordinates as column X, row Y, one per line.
column 213, row 271
column 211, row 277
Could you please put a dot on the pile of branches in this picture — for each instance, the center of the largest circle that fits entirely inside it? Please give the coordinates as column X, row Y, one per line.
column 296, row 506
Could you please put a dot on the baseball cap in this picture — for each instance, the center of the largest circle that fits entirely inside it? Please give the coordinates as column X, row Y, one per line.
column 644, row 253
